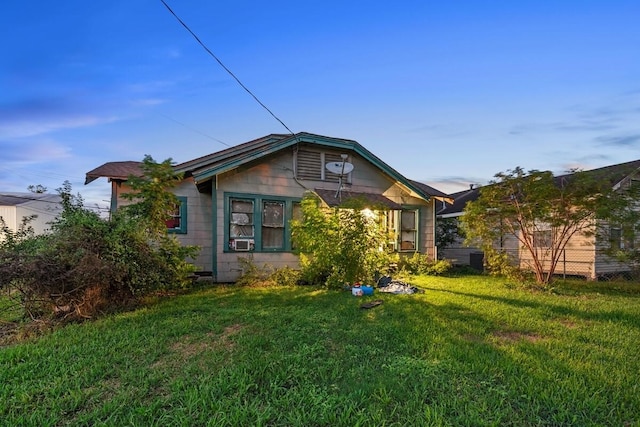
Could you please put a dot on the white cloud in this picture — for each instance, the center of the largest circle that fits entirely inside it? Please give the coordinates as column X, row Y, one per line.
column 29, row 127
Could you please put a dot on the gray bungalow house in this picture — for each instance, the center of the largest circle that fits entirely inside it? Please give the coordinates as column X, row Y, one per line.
column 238, row 202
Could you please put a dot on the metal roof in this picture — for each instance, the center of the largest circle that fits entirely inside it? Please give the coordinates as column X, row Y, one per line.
column 204, row 168
column 17, row 199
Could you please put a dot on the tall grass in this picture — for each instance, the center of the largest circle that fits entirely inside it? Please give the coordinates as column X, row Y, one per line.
column 467, row 351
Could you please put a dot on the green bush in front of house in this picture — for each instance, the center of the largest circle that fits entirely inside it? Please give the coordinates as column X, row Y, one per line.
column 424, row 264
column 339, row 246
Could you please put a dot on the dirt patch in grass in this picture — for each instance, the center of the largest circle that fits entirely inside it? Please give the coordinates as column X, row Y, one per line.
column 8, row 332
column 189, row 347
column 512, row 336
column 568, row 323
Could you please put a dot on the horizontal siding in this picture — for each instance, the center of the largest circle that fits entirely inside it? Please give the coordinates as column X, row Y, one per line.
column 8, row 214
column 199, row 227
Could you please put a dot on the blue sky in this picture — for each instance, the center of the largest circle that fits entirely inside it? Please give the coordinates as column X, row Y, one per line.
column 448, row 93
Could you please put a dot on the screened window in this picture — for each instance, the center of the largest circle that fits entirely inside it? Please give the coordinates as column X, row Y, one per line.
column 241, row 219
column 273, row 214
column 615, row 238
column 255, row 222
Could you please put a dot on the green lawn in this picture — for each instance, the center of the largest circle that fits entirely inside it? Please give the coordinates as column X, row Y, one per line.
column 468, row 351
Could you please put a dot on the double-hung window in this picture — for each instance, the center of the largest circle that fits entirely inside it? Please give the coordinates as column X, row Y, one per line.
column 409, row 230
column 177, row 217
column 542, row 239
column 259, row 223
column 241, row 219
column 621, row 238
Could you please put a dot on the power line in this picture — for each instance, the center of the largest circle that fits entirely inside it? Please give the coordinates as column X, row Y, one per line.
column 194, row 130
column 223, row 66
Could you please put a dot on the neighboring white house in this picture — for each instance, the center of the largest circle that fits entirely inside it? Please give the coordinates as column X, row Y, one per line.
column 16, row 206
column 583, row 255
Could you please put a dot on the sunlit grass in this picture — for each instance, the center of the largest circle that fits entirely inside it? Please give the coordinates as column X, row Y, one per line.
column 467, row 351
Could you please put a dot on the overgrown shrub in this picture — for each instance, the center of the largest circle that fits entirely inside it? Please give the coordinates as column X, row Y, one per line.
column 424, row 264
column 338, row 246
column 87, row 265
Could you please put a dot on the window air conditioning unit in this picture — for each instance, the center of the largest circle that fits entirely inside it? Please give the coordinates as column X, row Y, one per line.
column 243, row 244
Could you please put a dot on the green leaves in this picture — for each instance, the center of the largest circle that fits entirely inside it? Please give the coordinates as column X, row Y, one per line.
column 151, row 193
column 88, row 265
column 537, row 213
column 338, row 246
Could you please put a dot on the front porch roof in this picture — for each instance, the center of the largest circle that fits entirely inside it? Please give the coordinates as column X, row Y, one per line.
column 371, row 199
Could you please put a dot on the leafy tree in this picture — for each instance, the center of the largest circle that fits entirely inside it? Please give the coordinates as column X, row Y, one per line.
column 340, row 245
column 448, row 231
column 540, row 211
column 38, row 189
column 153, row 202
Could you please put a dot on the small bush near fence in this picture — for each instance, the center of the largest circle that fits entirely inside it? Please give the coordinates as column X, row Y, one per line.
column 573, row 263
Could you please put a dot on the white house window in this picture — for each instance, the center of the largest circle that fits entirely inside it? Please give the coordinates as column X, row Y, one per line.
column 175, row 219
column 408, row 230
column 273, row 213
column 241, row 219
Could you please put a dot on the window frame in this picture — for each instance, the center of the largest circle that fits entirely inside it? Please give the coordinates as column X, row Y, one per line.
column 620, row 238
column 182, row 202
column 258, row 203
column 271, row 226
column 416, row 229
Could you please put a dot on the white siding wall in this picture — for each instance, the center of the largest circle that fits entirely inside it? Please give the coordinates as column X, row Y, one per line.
column 8, row 214
column 45, row 211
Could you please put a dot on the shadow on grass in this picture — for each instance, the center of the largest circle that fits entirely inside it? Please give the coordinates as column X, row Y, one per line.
column 631, row 319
